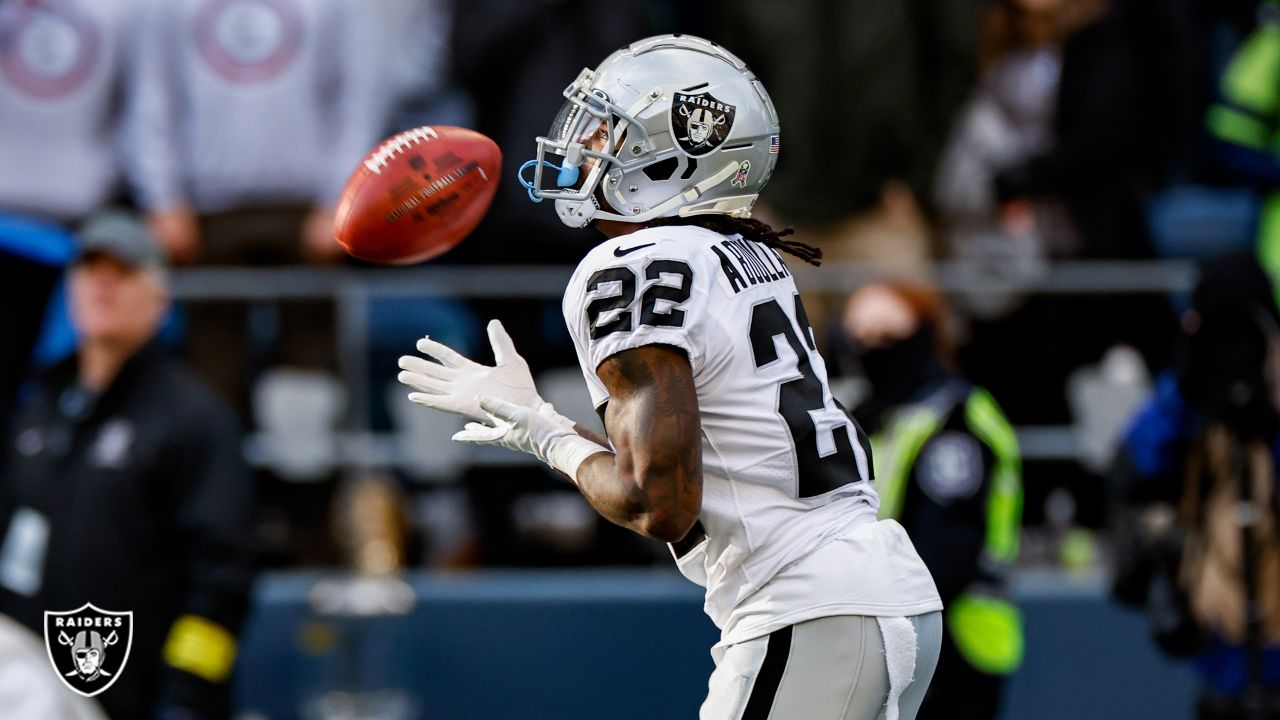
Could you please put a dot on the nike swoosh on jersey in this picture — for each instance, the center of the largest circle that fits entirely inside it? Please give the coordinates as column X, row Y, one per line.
column 619, row 252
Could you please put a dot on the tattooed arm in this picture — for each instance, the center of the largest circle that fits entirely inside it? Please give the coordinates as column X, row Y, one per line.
column 653, row 485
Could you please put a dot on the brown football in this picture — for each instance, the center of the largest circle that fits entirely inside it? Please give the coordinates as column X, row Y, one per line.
column 417, row 195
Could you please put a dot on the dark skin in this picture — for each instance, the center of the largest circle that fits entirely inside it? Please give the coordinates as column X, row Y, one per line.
column 652, row 485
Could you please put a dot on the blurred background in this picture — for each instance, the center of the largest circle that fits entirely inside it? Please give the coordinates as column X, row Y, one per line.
column 1051, row 174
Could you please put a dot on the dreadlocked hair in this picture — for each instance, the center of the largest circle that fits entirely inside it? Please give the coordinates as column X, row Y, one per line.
column 749, row 229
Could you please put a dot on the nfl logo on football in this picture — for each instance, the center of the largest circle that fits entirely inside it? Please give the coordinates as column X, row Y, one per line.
column 88, row 646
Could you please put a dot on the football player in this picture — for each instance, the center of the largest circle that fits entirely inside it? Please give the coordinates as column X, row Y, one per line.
column 723, row 436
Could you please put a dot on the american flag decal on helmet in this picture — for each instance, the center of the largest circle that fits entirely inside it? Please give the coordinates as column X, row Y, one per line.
column 773, row 145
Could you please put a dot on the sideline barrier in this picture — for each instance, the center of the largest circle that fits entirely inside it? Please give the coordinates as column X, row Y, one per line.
column 617, row 645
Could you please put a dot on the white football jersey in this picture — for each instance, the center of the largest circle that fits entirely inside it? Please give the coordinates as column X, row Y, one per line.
column 785, row 469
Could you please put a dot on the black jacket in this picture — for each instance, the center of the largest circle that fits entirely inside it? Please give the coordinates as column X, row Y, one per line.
column 1124, row 108
column 148, row 502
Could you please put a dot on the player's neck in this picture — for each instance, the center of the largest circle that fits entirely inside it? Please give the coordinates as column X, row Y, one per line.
column 613, row 228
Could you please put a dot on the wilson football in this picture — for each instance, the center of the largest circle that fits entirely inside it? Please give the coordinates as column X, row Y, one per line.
column 417, row 195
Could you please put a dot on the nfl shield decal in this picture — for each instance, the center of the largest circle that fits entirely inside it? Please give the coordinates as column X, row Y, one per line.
column 88, row 646
column 699, row 122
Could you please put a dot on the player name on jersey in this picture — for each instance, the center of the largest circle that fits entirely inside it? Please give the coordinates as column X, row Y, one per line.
column 746, row 263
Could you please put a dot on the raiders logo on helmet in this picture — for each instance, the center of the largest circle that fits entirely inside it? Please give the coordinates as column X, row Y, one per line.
column 700, row 123
column 88, row 646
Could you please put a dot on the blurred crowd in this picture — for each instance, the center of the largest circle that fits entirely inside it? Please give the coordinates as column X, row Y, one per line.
column 996, row 138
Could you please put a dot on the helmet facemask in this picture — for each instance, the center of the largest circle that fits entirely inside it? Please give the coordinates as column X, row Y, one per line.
column 587, row 134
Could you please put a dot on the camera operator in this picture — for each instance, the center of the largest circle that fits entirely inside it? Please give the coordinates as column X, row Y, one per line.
column 1198, row 501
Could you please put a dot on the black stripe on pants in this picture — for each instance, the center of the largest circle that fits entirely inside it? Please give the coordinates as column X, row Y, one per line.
column 770, row 675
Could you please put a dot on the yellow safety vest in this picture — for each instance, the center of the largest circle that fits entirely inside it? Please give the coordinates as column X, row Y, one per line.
column 986, row 627
column 1248, row 114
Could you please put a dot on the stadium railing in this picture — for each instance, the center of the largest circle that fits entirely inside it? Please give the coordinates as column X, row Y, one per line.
column 353, row 290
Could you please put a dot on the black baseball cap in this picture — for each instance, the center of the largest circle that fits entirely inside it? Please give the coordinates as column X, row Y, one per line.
column 123, row 237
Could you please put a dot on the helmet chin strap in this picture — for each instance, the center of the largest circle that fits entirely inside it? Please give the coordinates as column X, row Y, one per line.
column 579, row 213
column 675, row 201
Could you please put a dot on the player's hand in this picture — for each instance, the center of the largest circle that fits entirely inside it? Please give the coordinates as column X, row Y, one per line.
column 177, row 232
column 517, row 427
column 453, row 384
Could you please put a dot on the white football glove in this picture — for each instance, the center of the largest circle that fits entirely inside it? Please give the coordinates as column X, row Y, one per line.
column 455, row 383
column 541, row 432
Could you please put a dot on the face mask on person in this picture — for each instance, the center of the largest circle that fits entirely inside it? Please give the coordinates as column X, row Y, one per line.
column 899, row 370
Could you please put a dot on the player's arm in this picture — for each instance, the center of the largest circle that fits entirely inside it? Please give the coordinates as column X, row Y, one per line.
column 653, row 484
column 591, row 435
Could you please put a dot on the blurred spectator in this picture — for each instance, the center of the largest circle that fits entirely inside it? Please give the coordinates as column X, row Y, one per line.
column 63, row 85
column 867, row 91
column 421, row 85
column 1197, row 521
column 123, row 485
column 1245, row 122
column 948, row 468
column 1208, row 209
column 251, row 116
column 1121, row 115
column 63, row 82
column 1007, row 121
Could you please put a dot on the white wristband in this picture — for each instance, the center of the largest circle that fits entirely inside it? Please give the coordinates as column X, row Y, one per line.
column 568, row 452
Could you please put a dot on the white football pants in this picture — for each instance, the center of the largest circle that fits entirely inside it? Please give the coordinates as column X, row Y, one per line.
column 831, row 668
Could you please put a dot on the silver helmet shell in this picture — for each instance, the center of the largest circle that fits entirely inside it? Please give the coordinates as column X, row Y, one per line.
column 670, row 125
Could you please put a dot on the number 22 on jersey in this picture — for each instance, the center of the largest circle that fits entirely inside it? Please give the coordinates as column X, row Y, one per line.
column 820, row 432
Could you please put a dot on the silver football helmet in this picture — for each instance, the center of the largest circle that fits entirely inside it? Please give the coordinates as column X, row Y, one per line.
column 670, row 125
